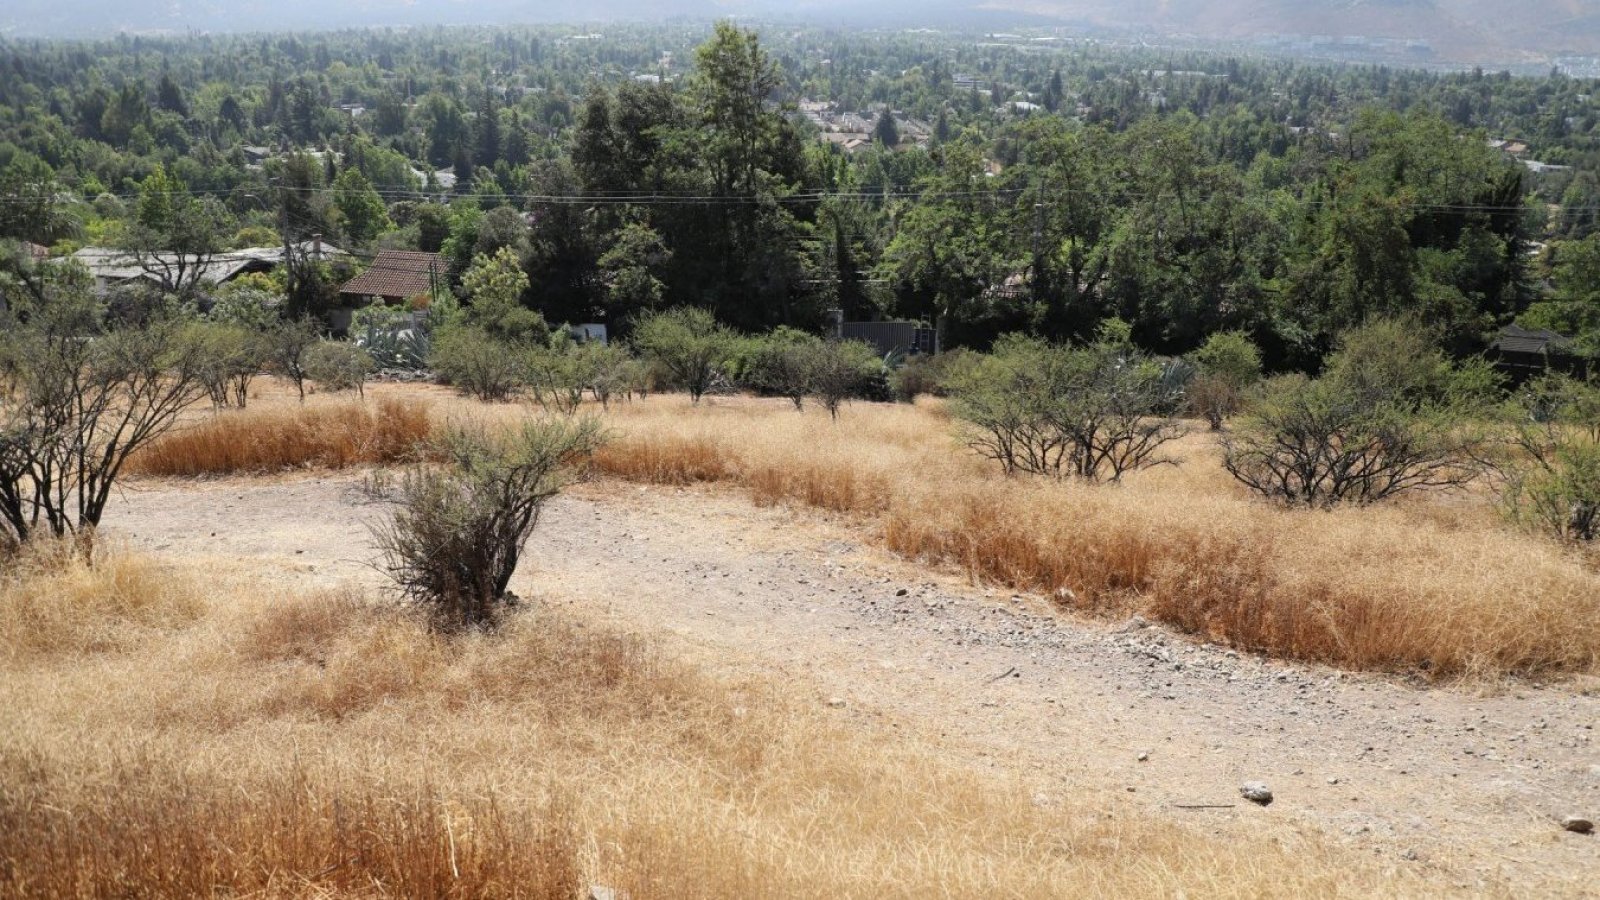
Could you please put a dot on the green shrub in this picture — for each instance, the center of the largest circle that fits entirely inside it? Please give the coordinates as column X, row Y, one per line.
column 1093, row 412
column 1391, row 415
column 688, row 344
column 339, row 366
column 474, row 362
column 1553, row 485
column 1226, row 366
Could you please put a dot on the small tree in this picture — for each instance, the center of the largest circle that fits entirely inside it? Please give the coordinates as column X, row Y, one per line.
column 1391, row 415
column 780, row 363
column 339, row 366
column 472, row 360
column 287, row 347
column 78, row 397
column 460, row 528
column 1553, row 483
column 839, row 370
column 687, row 342
column 558, row 376
column 230, row 356
column 1228, row 364
column 608, row 370
column 494, row 287
column 1093, row 412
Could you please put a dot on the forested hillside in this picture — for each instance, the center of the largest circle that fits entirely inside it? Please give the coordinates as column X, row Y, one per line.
column 982, row 185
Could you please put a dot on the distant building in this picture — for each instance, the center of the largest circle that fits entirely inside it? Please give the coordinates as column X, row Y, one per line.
column 890, row 337
column 1526, row 352
column 395, row 277
column 112, row 267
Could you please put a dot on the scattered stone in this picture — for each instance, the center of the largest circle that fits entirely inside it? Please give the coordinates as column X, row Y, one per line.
column 901, row 593
column 1144, row 755
column 1577, row 824
column 1256, row 792
column 1333, row 781
column 1410, row 856
column 601, row 892
column 836, row 702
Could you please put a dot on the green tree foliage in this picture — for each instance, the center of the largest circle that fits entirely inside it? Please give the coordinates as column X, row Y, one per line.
column 836, row 371
column 361, row 210
column 494, row 287
column 1093, row 412
column 1227, row 364
column 1553, row 483
column 339, row 366
column 174, row 235
column 689, row 344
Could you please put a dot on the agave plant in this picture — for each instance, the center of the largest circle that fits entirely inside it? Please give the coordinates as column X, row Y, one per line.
column 393, row 338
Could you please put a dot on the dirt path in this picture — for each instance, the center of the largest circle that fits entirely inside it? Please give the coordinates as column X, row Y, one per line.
column 1462, row 782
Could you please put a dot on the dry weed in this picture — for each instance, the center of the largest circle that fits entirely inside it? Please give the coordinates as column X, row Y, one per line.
column 275, row 438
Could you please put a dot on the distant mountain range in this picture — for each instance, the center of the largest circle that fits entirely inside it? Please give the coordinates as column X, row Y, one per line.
column 1454, row 31
column 1488, row 32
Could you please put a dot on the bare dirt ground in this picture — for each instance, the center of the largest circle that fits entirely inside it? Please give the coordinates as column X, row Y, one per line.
column 1466, row 783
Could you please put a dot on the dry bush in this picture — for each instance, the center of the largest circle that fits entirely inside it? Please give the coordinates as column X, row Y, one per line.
column 266, row 440
column 1445, row 590
column 324, row 744
column 458, row 530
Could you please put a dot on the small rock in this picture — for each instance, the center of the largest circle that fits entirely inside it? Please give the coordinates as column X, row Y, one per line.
column 1256, row 792
column 836, row 702
column 601, row 892
column 1577, row 824
column 1143, row 755
column 1333, row 781
column 1410, row 856
column 901, row 593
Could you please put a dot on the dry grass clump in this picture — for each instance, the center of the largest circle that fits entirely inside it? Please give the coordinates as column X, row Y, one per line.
column 325, row 744
column 1434, row 587
column 150, row 830
column 277, row 438
column 52, row 600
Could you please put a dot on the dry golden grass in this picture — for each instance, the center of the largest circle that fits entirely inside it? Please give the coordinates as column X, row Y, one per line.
column 325, row 744
column 1439, row 587
column 271, row 439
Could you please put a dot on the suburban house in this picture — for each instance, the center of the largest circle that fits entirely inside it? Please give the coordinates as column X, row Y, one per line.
column 1525, row 352
column 396, row 277
column 111, row 267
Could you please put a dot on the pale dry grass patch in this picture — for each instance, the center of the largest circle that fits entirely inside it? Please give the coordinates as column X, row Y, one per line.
column 52, row 600
column 327, row 744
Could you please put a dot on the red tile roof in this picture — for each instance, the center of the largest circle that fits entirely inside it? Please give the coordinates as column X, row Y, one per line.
column 397, row 274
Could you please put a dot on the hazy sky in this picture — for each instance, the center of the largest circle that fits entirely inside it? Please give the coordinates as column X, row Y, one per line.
column 1488, row 32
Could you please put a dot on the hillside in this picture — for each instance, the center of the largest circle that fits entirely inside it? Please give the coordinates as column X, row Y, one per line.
column 1459, row 31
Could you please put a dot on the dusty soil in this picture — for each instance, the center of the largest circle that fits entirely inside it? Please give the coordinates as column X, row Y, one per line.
column 1465, row 782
